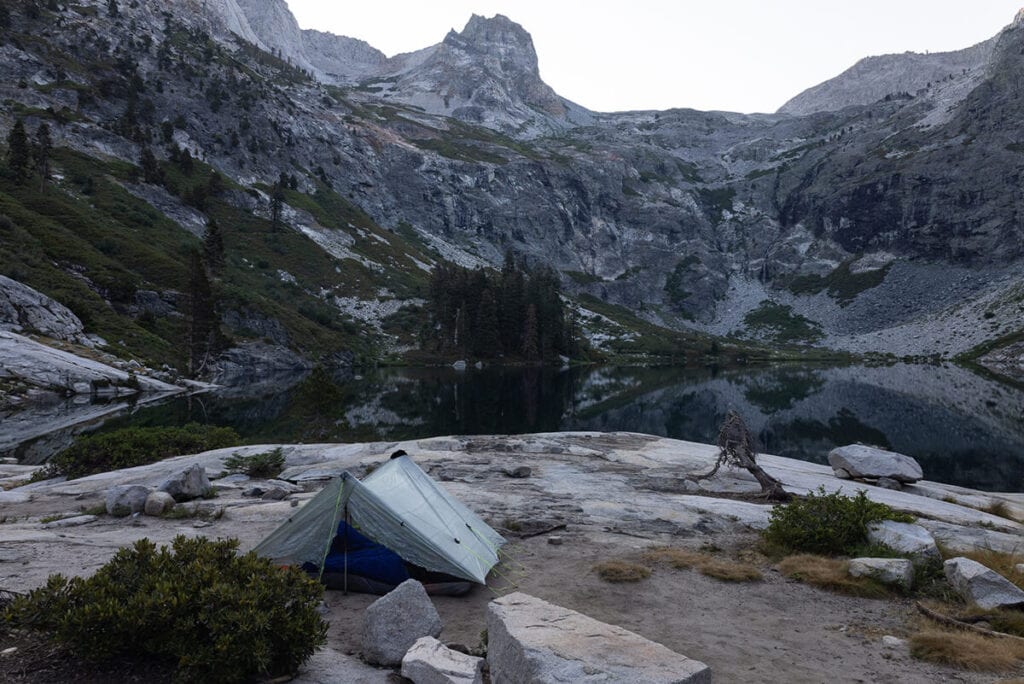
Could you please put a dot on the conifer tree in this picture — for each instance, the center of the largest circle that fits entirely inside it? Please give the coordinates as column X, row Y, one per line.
column 112, row 9
column 487, row 336
column 213, row 247
column 151, row 171
column 202, row 316
column 531, row 350
column 18, row 152
column 41, row 151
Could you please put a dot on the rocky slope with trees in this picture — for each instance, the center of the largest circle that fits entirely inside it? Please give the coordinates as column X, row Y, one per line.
column 338, row 181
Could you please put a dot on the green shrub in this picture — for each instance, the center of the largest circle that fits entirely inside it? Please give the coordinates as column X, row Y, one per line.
column 214, row 615
column 265, row 464
column 827, row 524
column 137, row 446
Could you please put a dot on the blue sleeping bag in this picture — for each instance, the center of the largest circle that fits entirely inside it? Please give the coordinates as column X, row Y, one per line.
column 366, row 557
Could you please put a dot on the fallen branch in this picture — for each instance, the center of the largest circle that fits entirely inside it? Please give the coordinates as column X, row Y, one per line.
column 537, row 534
column 953, row 622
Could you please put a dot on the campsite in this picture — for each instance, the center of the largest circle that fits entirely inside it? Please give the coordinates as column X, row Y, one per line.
column 598, row 497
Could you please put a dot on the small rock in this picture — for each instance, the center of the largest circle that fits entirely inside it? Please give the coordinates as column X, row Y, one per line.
column 983, row 586
column 896, row 571
column 393, row 623
column 912, row 540
column 275, row 494
column 890, row 641
column 858, row 461
column 517, row 472
column 1019, row 568
column 555, row 540
column 124, row 500
column 430, row 662
column 9, row 651
column 889, row 483
column 158, row 503
column 82, row 388
column 459, row 365
column 191, row 483
column 255, row 492
column 70, row 522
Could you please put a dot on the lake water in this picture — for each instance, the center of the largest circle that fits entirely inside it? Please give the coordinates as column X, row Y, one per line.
column 964, row 429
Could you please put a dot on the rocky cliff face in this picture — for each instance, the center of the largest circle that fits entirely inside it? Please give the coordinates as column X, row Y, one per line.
column 873, row 78
column 461, row 152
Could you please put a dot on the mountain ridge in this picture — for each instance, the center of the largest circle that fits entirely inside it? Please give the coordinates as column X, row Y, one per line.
column 762, row 225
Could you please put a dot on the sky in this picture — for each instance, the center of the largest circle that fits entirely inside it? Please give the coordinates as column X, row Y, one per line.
column 732, row 55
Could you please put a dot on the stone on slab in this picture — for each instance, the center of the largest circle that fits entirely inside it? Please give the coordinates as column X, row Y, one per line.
column 911, row 540
column 894, row 571
column 431, row 662
column 859, row 461
column 889, row 483
column 73, row 521
column 393, row 623
column 158, row 503
column 1019, row 568
column 189, row 484
column 983, row 586
column 530, row 640
column 517, row 472
column 124, row 500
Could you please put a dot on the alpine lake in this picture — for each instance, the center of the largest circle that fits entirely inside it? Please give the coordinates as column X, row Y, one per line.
column 963, row 428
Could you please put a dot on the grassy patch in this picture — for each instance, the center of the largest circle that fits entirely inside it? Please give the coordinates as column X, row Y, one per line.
column 782, row 324
column 842, row 284
column 724, row 569
column 622, row 571
column 832, row 574
column 965, row 650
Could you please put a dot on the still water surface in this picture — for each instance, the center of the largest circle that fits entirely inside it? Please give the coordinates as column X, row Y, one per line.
column 964, row 429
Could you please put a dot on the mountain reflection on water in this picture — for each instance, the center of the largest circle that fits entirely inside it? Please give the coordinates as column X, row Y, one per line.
column 964, row 429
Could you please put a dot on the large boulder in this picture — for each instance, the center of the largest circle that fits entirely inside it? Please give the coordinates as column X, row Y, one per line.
column 983, row 586
column 189, row 484
column 860, row 461
column 431, row 662
column 125, row 500
column 530, row 640
column 393, row 623
column 894, row 571
column 912, row 541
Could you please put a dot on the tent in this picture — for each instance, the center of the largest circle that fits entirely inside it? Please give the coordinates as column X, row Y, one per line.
column 373, row 534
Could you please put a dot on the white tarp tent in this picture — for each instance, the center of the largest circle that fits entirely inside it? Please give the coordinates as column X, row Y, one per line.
column 399, row 507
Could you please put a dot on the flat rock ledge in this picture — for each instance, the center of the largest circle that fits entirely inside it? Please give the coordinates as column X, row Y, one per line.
column 530, row 640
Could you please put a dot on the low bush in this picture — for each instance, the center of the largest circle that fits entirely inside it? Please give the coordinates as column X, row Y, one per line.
column 137, row 446
column 214, row 615
column 266, row 464
column 827, row 524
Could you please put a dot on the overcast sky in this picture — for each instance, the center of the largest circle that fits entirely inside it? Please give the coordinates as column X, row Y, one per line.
column 734, row 55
